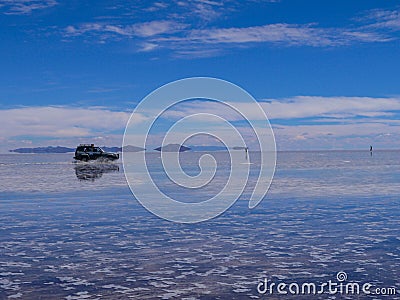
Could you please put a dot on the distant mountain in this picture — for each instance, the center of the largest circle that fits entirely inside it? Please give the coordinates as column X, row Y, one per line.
column 208, row 148
column 130, row 148
column 239, row 148
column 49, row 149
column 173, row 148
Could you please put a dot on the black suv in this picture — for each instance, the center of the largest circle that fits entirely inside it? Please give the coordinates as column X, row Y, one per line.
column 88, row 152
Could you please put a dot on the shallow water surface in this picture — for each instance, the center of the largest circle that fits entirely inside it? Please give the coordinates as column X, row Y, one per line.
column 74, row 230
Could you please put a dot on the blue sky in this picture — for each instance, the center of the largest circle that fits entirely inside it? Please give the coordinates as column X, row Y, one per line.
column 326, row 72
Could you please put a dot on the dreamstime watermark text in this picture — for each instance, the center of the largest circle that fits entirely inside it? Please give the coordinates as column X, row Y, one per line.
column 339, row 286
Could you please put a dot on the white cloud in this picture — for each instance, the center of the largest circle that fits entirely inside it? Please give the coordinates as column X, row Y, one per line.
column 153, row 28
column 299, row 107
column 303, row 122
column 273, row 33
column 60, row 122
column 146, row 47
column 24, row 7
column 144, row 30
column 335, row 122
column 195, row 52
column 204, row 9
column 311, row 122
column 279, row 33
column 178, row 33
column 156, row 6
column 336, row 107
column 382, row 19
column 364, row 37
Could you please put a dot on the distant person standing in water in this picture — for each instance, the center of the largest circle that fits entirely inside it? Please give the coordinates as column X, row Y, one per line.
column 370, row 150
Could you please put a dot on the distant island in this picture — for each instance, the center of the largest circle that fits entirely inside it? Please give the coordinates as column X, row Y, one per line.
column 49, row 149
column 172, row 148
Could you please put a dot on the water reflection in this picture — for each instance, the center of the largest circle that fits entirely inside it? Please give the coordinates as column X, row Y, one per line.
column 91, row 172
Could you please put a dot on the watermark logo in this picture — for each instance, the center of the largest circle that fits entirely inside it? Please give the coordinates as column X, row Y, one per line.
column 198, row 107
column 339, row 287
column 341, row 276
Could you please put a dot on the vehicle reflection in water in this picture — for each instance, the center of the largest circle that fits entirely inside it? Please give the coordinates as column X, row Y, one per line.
column 91, row 171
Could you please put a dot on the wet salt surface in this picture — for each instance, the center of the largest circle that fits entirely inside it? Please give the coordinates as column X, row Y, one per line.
column 71, row 236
